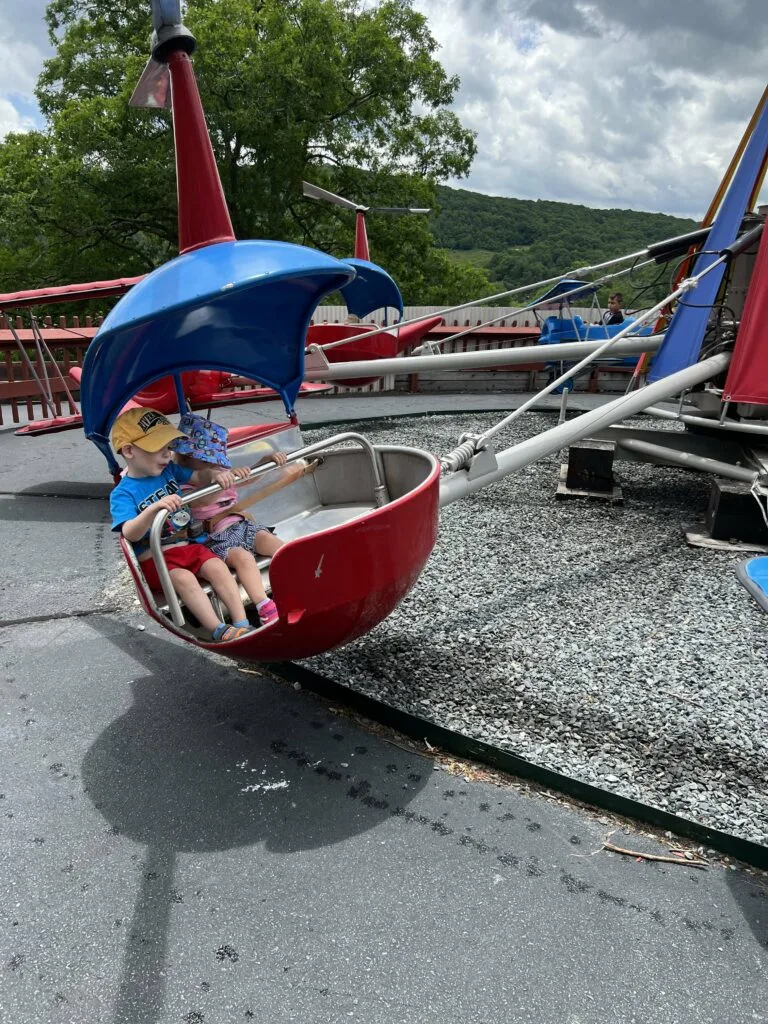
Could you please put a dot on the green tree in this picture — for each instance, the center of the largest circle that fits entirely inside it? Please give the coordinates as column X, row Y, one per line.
column 336, row 91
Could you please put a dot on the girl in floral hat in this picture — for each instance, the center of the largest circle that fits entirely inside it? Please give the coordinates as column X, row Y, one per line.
column 235, row 538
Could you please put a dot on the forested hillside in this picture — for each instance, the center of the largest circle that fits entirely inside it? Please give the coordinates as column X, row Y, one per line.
column 519, row 240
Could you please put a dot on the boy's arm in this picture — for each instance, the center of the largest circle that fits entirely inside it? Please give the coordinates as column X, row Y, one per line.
column 134, row 529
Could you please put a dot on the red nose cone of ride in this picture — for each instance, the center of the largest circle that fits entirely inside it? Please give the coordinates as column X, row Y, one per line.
column 361, row 238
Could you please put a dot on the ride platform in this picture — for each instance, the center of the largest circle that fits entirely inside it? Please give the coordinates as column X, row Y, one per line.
column 185, row 840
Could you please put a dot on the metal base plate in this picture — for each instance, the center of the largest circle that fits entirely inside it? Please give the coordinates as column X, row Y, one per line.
column 699, row 538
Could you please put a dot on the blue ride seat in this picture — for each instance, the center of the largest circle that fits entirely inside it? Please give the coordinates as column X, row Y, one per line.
column 754, row 575
column 600, row 332
column 556, row 329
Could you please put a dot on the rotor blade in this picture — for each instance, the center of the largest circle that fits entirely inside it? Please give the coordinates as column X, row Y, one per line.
column 67, row 292
column 397, row 209
column 315, row 192
column 153, row 88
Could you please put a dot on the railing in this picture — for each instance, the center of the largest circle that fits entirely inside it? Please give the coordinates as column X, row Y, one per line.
column 380, row 497
column 463, row 318
column 35, row 365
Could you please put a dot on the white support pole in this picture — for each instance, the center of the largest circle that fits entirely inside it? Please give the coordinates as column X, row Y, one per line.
column 729, row 426
column 461, row 483
column 477, row 360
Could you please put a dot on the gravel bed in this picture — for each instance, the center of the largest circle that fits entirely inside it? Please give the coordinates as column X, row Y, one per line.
column 587, row 638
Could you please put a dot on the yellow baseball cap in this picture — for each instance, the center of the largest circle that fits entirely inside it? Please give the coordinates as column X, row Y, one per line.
column 146, row 428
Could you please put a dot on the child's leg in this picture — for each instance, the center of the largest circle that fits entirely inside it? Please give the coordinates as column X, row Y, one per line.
column 248, row 573
column 267, row 543
column 218, row 575
column 187, row 586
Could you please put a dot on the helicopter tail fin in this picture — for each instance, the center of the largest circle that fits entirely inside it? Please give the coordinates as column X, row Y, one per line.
column 153, row 88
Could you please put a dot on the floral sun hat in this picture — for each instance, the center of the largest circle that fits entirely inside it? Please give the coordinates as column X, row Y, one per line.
column 205, row 440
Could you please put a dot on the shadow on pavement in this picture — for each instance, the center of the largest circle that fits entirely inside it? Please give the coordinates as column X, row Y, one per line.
column 68, row 489
column 750, row 895
column 208, row 759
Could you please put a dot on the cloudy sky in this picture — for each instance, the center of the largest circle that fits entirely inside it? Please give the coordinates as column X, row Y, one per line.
column 609, row 103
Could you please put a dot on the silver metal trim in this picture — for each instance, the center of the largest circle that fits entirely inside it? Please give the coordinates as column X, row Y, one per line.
column 688, row 460
column 571, row 350
column 728, row 426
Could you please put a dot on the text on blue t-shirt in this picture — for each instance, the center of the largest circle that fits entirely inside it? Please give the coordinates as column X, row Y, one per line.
column 133, row 494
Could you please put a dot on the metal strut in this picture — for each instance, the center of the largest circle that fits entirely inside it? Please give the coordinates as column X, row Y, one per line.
column 470, row 445
column 459, row 485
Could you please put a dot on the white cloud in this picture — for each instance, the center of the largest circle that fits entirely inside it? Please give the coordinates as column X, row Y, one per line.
column 20, row 74
column 24, row 35
column 607, row 102
column 11, row 120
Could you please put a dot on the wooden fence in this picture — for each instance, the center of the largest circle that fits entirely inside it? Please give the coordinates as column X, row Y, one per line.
column 29, row 369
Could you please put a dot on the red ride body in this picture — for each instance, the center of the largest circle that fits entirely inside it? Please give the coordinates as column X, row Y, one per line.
column 199, row 387
column 382, row 346
column 331, row 587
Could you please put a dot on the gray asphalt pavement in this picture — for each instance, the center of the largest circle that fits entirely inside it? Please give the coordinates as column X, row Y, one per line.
column 187, row 842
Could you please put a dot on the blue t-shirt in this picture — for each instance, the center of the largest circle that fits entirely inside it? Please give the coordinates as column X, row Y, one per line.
column 133, row 494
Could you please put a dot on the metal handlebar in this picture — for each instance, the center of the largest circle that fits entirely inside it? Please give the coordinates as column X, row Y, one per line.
column 380, row 497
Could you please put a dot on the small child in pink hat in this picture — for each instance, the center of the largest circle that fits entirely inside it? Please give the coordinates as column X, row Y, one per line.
column 234, row 538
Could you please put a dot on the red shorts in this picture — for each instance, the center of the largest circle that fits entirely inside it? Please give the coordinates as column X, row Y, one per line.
column 180, row 556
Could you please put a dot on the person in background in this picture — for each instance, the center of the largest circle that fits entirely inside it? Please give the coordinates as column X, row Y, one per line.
column 614, row 314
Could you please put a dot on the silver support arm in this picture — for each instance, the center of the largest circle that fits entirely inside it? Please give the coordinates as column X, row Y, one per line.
column 578, row 273
column 460, row 484
column 685, row 286
column 736, row 426
column 429, row 346
column 658, row 453
column 477, row 360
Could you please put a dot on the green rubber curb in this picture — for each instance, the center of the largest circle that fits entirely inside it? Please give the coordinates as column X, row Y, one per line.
column 461, row 746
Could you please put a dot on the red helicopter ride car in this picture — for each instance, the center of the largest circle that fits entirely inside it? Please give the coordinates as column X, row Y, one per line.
column 201, row 389
column 372, row 288
column 360, row 525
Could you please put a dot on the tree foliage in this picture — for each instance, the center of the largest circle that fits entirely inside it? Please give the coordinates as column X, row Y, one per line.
column 536, row 240
column 336, row 91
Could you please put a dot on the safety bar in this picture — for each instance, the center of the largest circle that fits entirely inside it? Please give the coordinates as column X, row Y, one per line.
column 380, row 497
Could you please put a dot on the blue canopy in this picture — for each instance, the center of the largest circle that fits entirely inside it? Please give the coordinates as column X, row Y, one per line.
column 371, row 288
column 242, row 307
column 568, row 285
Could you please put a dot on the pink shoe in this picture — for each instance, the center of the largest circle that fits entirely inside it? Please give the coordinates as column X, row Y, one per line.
column 267, row 612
